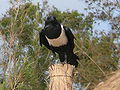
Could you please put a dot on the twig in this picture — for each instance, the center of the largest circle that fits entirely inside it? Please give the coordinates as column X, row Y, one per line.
column 87, row 86
column 91, row 60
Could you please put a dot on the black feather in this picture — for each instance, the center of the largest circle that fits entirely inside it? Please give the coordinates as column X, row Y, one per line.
column 52, row 30
column 43, row 39
column 70, row 37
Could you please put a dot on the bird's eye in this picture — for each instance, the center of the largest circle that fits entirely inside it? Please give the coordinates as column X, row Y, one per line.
column 50, row 18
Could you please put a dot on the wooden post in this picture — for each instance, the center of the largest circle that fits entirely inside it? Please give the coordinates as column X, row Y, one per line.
column 61, row 77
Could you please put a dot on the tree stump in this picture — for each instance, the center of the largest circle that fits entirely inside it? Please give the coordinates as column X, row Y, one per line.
column 61, row 77
column 113, row 83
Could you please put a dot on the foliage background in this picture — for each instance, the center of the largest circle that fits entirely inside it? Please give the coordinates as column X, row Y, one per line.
column 25, row 64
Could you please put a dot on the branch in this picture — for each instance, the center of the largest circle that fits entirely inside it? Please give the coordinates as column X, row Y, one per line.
column 91, row 60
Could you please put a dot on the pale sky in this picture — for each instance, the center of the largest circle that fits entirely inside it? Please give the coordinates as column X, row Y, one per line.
column 69, row 4
column 61, row 5
column 4, row 5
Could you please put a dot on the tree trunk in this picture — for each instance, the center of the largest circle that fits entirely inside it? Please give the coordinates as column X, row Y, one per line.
column 113, row 83
column 61, row 77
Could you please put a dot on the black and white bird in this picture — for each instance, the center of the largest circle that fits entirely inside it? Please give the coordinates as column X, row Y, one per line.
column 59, row 39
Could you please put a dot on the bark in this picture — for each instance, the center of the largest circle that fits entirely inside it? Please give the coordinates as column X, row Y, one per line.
column 61, row 77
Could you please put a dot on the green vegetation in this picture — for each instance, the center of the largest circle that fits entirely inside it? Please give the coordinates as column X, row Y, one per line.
column 26, row 64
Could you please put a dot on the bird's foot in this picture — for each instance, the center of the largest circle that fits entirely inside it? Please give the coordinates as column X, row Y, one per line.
column 63, row 63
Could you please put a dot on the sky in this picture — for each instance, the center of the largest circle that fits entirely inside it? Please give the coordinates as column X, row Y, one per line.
column 4, row 5
column 69, row 4
column 61, row 5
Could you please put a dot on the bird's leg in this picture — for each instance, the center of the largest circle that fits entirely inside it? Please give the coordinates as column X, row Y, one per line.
column 72, row 59
column 54, row 54
column 62, row 58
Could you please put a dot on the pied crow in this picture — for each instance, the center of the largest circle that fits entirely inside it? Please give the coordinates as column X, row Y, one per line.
column 59, row 39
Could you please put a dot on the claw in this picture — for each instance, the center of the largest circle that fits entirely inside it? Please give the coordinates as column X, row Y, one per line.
column 62, row 63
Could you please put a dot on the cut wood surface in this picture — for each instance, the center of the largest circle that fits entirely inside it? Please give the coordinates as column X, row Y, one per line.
column 61, row 77
column 113, row 83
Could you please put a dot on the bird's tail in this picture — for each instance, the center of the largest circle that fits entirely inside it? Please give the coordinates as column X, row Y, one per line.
column 72, row 59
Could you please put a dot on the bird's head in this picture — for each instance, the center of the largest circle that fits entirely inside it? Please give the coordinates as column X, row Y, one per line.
column 51, row 20
column 52, row 27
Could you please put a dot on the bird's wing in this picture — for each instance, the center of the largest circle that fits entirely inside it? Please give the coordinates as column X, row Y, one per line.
column 43, row 40
column 70, row 36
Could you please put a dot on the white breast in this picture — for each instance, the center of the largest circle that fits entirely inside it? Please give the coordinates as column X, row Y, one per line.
column 60, row 41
